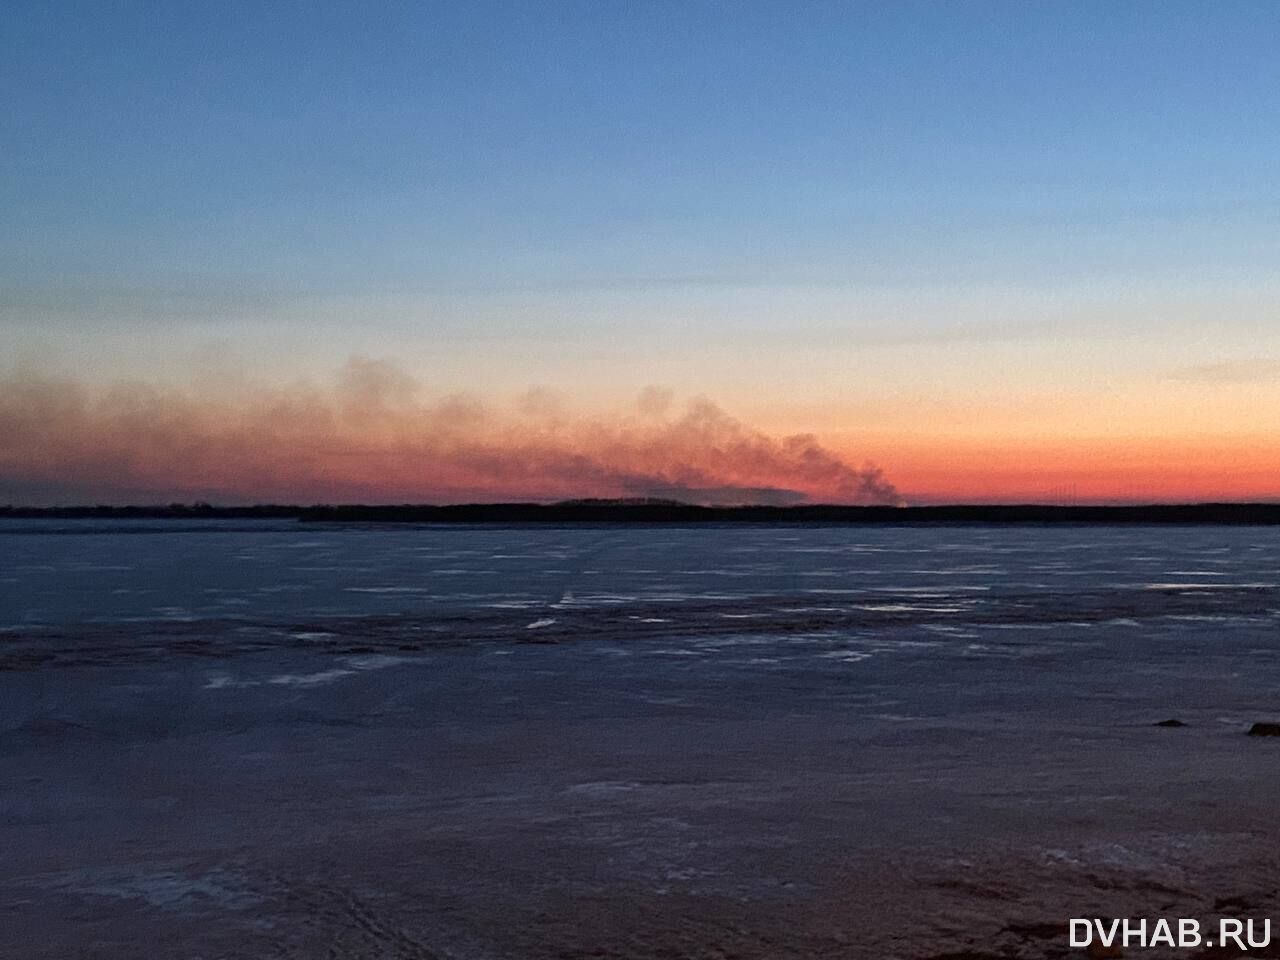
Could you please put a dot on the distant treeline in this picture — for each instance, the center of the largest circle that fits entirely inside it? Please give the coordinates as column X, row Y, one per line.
column 184, row 511
column 665, row 511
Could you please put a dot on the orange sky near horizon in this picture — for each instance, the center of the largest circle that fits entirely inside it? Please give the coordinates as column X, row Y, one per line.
column 947, row 469
column 371, row 433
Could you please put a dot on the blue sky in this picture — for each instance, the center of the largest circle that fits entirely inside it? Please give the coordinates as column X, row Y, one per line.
column 464, row 147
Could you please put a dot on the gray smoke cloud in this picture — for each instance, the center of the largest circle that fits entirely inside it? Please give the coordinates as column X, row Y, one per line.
column 367, row 435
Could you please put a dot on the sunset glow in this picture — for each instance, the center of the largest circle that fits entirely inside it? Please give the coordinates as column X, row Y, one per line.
column 996, row 253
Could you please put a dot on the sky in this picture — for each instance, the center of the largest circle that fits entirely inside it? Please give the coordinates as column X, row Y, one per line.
column 907, row 252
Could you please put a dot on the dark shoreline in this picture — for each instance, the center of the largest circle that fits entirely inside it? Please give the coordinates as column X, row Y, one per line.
column 613, row 512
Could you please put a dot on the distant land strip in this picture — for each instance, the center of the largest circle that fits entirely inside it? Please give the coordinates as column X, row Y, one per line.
column 672, row 512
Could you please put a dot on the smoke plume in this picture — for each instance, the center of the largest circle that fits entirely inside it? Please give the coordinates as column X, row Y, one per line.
column 368, row 436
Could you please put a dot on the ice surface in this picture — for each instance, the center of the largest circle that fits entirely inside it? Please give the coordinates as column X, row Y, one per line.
column 294, row 741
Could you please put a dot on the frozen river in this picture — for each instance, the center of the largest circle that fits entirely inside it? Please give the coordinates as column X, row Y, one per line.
column 230, row 739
